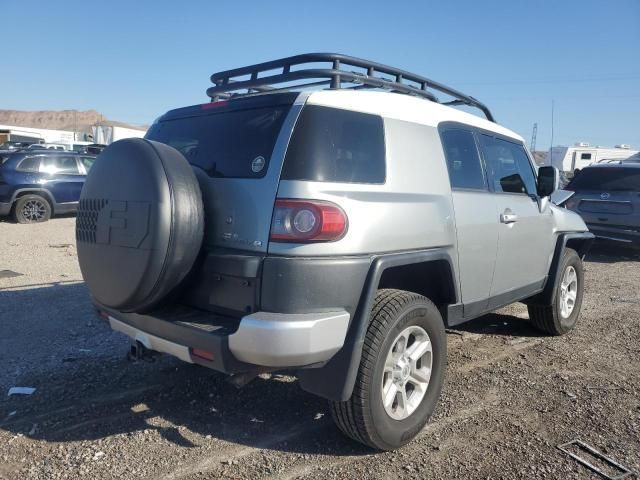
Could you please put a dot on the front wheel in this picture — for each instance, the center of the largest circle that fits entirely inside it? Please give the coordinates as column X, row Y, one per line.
column 561, row 315
column 400, row 375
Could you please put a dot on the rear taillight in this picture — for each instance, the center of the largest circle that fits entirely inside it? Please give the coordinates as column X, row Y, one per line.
column 307, row 221
column 220, row 103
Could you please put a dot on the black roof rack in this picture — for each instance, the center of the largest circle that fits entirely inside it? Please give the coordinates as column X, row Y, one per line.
column 295, row 73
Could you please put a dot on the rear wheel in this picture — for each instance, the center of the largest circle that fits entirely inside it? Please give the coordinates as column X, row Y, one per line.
column 561, row 315
column 401, row 372
column 31, row 209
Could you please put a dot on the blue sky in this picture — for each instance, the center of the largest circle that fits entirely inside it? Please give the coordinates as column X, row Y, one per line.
column 134, row 60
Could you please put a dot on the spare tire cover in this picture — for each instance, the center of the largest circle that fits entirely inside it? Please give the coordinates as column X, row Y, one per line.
column 140, row 224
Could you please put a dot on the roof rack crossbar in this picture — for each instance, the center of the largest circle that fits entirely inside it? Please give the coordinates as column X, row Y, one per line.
column 373, row 75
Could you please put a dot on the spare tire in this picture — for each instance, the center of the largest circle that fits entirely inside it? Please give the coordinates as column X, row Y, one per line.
column 140, row 224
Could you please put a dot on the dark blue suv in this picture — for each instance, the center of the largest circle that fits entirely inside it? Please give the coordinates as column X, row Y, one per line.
column 36, row 184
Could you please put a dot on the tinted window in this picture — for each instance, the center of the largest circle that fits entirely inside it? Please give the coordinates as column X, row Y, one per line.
column 29, row 164
column 87, row 162
column 509, row 168
column 333, row 145
column 585, row 156
column 463, row 161
column 225, row 144
column 607, row 179
column 60, row 165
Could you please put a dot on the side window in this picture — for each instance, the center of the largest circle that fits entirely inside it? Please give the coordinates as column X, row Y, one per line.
column 333, row 145
column 29, row 164
column 585, row 156
column 61, row 165
column 463, row 161
column 509, row 168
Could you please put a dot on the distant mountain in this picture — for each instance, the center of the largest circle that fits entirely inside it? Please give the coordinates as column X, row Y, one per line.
column 72, row 120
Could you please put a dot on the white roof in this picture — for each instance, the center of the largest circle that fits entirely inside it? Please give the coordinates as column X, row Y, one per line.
column 403, row 107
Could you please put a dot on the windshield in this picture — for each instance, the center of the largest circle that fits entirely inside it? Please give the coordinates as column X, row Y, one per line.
column 608, row 179
column 232, row 144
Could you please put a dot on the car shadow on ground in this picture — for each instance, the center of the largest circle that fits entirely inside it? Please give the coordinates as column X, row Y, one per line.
column 612, row 252
column 93, row 396
column 499, row 324
column 96, row 396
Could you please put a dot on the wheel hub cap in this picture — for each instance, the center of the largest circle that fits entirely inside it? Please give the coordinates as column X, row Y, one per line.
column 33, row 210
column 568, row 291
column 407, row 372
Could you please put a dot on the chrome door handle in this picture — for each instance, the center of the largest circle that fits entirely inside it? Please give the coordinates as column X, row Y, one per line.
column 508, row 217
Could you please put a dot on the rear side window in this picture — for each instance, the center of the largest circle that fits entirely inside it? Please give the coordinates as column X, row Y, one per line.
column 333, row 145
column 463, row 161
column 235, row 144
column 87, row 162
column 29, row 164
column 508, row 165
column 607, row 179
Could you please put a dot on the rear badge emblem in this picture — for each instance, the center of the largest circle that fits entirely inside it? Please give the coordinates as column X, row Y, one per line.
column 605, row 196
column 258, row 164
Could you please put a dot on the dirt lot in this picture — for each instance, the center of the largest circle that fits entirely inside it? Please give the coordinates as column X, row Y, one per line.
column 510, row 398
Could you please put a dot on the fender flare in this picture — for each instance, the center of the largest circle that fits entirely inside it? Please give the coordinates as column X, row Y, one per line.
column 579, row 241
column 35, row 190
column 335, row 380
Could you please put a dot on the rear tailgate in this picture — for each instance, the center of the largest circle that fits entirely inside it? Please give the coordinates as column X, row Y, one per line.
column 620, row 209
column 236, row 148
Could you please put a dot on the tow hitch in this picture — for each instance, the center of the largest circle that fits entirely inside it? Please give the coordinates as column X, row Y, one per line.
column 138, row 352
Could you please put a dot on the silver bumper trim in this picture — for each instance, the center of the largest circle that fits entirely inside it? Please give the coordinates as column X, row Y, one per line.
column 151, row 341
column 289, row 340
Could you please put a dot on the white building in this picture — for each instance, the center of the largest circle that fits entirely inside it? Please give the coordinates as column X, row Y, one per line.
column 40, row 135
column 107, row 134
column 580, row 155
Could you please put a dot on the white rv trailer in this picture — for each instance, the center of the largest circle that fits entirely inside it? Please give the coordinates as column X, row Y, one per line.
column 580, row 155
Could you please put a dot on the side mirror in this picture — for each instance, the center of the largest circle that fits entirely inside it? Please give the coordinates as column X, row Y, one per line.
column 548, row 180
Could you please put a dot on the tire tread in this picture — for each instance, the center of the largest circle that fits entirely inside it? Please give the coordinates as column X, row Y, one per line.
column 349, row 415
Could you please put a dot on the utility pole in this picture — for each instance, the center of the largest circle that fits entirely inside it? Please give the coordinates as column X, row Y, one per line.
column 552, row 108
column 532, row 148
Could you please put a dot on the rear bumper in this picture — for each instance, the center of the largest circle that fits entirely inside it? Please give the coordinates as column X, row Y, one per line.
column 617, row 234
column 5, row 208
column 261, row 339
column 287, row 340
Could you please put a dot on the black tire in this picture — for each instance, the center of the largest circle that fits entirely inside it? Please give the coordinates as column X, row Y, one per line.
column 548, row 318
column 140, row 224
column 31, row 209
column 363, row 417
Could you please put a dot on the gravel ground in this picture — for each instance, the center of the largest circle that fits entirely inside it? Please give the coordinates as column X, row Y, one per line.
column 510, row 398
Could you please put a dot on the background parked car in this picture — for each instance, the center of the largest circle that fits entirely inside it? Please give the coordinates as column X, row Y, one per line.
column 46, row 146
column 13, row 146
column 34, row 185
column 607, row 196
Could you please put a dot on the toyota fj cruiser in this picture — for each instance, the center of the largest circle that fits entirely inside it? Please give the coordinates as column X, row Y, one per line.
column 333, row 233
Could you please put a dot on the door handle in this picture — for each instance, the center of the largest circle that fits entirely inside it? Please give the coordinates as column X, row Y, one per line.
column 508, row 217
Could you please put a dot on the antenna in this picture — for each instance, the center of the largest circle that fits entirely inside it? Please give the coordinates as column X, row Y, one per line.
column 532, row 148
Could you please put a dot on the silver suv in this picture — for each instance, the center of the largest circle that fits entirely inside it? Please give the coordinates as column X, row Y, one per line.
column 330, row 233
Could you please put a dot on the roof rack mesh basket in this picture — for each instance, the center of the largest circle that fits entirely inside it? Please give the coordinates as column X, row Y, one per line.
column 334, row 70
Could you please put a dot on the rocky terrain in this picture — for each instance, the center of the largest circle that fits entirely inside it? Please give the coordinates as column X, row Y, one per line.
column 510, row 398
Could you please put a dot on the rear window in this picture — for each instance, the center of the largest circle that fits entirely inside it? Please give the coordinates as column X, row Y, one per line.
column 231, row 144
column 609, row 179
column 333, row 145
